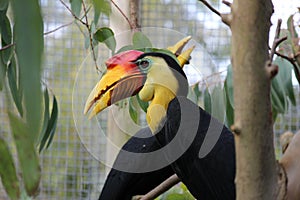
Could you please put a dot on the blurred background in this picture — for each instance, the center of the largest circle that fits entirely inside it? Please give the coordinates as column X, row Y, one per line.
column 70, row 167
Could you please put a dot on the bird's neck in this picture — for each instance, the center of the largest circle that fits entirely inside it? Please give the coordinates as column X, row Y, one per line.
column 157, row 110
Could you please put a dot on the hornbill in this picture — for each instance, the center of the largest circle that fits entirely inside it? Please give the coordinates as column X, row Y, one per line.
column 199, row 148
column 124, row 185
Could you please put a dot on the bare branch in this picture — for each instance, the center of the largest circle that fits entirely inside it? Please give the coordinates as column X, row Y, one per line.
column 90, row 35
column 226, row 18
column 210, row 7
column 56, row 29
column 163, row 187
column 7, row 46
column 277, row 40
column 123, row 14
column 227, row 3
column 293, row 62
column 69, row 9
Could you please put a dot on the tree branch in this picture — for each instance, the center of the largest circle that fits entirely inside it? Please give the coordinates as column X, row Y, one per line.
column 293, row 62
column 90, row 35
column 123, row 14
column 226, row 18
column 7, row 46
column 69, row 9
column 210, row 7
column 56, row 29
column 160, row 189
column 277, row 40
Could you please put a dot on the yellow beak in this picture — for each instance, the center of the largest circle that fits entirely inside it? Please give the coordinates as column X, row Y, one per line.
column 124, row 79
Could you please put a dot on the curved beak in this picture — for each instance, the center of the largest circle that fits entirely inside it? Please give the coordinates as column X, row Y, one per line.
column 124, row 79
column 121, row 80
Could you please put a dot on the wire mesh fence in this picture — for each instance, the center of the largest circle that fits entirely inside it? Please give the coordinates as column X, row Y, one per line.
column 69, row 170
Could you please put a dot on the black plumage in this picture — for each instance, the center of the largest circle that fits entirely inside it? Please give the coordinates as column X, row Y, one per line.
column 208, row 178
column 121, row 185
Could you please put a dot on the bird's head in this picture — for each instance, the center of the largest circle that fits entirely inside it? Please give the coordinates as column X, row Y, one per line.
column 155, row 76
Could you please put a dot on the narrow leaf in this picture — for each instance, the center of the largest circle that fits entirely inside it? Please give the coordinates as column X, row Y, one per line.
column 12, row 81
column 27, row 155
column 144, row 105
column 141, row 41
column 4, row 5
column 8, row 172
column 125, row 48
column 29, row 48
column 229, row 85
column 229, row 106
column 2, row 73
column 217, row 103
column 106, row 35
column 132, row 111
column 76, row 7
column 101, row 6
column 6, row 39
column 51, row 126
column 207, row 101
column 46, row 115
column 284, row 77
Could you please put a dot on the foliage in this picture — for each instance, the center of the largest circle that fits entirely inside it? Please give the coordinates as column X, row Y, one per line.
column 20, row 78
column 290, row 49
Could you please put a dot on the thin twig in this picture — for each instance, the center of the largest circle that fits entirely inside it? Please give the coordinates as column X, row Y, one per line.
column 161, row 188
column 56, row 29
column 210, row 7
column 226, row 18
column 69, row 9
column 292, row 61
column 277, row 40
column 227, row 3
column 123, row 14
column 90, row 35
column 7, row 46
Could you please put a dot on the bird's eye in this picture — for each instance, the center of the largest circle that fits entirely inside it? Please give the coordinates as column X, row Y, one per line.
column 144, row 64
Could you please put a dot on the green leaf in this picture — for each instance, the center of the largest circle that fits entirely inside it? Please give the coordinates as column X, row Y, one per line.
column 284, row 76
column 29, row 35
column 125, row 48
column 229, row 106
column 3, row 69
column 217, row 103
column 141, row 41
column 4, row 5
column 277, row 96
column 106, row 35
column 6, row 39
column 132, row 110
column 291, row 27
column 46, row 114
column 8, row 172
column 197, row 91
column 27, row 156
column 101, row 6
column 144, row 105
column 51, row 126
column 76, row 7
column 12, row 81
column 207, row 101
column 229, row 85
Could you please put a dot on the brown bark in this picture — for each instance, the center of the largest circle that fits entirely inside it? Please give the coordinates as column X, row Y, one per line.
column 256, row 176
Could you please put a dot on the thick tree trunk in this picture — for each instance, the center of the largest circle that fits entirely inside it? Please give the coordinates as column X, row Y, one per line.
column 256, row 176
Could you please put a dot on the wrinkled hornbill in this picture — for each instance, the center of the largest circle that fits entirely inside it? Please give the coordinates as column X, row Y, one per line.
column 124, row 185
column 177, row 123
